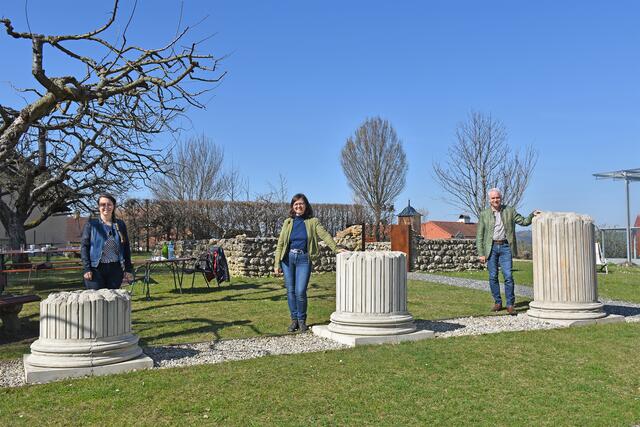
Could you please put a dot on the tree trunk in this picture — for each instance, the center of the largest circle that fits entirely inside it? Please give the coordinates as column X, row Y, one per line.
column 378, row 215
column 17, row 237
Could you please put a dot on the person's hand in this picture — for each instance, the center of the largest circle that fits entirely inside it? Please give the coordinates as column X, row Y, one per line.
column 128, row 277
column 88, row 275
column 277, row 271
column 340, row 250
column 482, row 259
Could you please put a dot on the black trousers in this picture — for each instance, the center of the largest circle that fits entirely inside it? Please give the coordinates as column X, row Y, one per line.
column 106, row 276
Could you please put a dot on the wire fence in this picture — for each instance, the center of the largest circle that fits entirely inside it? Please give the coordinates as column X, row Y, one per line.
column 613, row 242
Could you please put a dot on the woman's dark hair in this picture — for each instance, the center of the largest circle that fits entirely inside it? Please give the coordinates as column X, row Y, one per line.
column 113, row 200
column 308, row 211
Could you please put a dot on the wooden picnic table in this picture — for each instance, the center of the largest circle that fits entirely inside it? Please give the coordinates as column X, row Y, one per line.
column 46, row 251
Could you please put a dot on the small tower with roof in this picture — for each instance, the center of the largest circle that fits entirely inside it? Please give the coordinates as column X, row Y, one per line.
column 410, row 217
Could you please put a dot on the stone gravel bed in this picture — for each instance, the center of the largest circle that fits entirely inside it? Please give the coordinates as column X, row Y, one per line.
column 484, row 325
column 239, row 349
column 12, row 374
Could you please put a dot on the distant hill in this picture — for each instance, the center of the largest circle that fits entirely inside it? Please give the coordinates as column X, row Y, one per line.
column 524, row 236
column 524, row 243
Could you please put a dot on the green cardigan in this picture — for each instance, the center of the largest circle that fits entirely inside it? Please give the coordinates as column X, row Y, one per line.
column 486, row 222
column 314, row 230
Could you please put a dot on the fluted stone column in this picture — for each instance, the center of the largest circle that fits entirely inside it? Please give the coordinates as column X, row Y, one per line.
column 84, row 333
column 564, row 274
column 371, row 300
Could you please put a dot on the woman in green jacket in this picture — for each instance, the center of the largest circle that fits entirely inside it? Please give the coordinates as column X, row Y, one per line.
column 297, row 244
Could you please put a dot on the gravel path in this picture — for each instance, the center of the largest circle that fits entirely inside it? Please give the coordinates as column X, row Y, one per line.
column 12, row 374
column 481, row 285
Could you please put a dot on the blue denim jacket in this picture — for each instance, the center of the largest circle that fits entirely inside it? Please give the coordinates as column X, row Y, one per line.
column 92, row 242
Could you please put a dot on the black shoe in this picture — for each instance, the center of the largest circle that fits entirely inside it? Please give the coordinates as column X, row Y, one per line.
column 303, row 326
column 293, row 326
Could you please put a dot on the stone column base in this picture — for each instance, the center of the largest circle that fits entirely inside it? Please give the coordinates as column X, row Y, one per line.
column 36, row 374
column 610, row 318
column 566, row 310
column 84, row 353
column 371, row 324
column 353, row 340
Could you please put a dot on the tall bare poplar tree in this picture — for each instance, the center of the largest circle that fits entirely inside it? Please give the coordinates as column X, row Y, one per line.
column 375, row 165
column 194, row 172
column 482, row 159
column 84, row 132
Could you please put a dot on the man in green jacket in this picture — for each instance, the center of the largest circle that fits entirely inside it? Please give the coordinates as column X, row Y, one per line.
column 496, row 244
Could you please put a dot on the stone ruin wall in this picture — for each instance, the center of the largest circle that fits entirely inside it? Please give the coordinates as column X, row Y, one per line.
column 253, row 256
column 444, row 255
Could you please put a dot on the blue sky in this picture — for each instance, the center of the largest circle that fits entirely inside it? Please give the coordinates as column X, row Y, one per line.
column 303, row 75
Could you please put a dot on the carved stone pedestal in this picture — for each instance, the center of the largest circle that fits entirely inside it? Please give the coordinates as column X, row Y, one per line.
column 371, row 300
column 84, row 333
column 564, row 276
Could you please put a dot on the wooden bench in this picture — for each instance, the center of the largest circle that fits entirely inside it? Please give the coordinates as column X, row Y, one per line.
column 10, row 306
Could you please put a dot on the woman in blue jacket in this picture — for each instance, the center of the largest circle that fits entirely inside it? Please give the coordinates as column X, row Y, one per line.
column 105, row 251
column 297, row 245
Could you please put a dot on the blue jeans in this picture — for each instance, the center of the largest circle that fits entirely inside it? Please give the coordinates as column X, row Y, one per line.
column 105, row 276
column 297, row 270
column 501, row 256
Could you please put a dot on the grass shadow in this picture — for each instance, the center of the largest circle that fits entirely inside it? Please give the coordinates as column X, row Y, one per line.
column 437, row 326
column 215, row 288
column 29, row 331
column 173, row 304
column 160, row 354
column 210, row 326
column 621, row 310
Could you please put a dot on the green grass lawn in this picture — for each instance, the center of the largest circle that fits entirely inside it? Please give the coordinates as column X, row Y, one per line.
column 576, row 376
column 622, row 283
column 246, row 307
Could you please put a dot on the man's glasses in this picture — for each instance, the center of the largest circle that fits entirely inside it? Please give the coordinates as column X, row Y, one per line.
column 105, row 205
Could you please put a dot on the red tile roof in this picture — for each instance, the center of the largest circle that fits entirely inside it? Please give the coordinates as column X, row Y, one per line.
column 450, row 229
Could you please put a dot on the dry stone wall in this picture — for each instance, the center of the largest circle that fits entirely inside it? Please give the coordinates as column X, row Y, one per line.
column 444, row 255
column 350, row 238
column 250, row 256
column 253, row 256
column 377, row 246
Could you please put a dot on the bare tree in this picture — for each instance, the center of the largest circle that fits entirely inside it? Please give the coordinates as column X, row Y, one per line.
column 424, row 212
column 375, row 165
column 202, row 219
column 82, row 133
column 236, row 185
column 195, row 172
column 280, row 191
column 274, row 205
column 481, row 159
